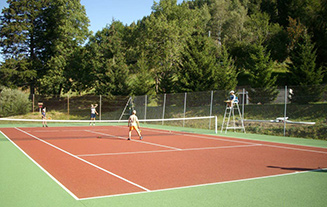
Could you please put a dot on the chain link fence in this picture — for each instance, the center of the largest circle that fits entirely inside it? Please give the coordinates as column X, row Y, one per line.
column 78, row 107
column 295, row 111
column 292, row 111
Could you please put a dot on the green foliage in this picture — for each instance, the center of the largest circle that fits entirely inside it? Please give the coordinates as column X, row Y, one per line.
column 197, row 69
column 38, row 38
column 67, row 30
column 16, row 72
column 143, row 82
column 43, row 45
column 226, row 71
column 106, row 63
column 304, row 73
column 21, row 32
column 260, row 67
column 13, row 102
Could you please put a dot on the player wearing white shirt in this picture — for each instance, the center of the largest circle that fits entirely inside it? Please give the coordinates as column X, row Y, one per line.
column 93, row 113
column 133, row 123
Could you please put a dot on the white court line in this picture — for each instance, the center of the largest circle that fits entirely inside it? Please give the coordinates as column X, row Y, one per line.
column 159, row 151
column 87, row 162
column 293, row 148
column 46, row 172
column 55, row 130
column 244, row 142
column 270, row 145
column 177, row 188
column 211, row 137
column 204, row 185
column 144, row 142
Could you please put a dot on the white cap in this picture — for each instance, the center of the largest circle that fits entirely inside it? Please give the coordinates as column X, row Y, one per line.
column 134, row 111
column 232, row 91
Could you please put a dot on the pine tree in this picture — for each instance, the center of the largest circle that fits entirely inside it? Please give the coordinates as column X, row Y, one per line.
column 107, row 64
column 38, row 38
column 143, row 82
column 20, row 32
column 260, row 67
column 198, row 68
column 226, row 71
column 66, row 30
column 304, row 75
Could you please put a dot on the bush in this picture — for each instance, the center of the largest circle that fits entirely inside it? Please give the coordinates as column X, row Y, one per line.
column 13, row 102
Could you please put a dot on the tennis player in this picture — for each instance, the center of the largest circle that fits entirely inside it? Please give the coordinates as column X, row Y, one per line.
column 44, row 118
column 93, row 113
column 133, row 123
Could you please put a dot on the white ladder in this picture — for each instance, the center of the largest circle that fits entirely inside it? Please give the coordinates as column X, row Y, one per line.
column 129, row 103
column 230, row 111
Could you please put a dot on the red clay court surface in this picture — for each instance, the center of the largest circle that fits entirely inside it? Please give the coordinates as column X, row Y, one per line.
column 87, row 166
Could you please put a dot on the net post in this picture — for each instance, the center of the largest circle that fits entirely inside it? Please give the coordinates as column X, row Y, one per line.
column 211, row 102
column 216, row 124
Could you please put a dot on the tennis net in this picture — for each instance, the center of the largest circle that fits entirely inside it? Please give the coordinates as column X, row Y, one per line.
column 189, row 124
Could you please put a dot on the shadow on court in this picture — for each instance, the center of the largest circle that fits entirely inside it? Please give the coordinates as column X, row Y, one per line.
column 318, row 169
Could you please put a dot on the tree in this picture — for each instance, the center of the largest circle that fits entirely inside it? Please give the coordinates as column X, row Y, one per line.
column 38, row 38
column 260, row 67
column 143, row 82
column 226, row 71
column 198, row 66
column 66, row 30
column 304, row 74
column 21, row 26
column 318, row 27
column 227, row 20
column 107, row 62
column 163, row 36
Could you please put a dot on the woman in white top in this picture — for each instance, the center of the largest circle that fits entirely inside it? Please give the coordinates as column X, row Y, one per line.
column 93, row 112
column 44, row 118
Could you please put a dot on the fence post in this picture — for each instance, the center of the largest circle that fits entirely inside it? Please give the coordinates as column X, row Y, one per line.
column 145, row 105
column 184, row 108
column 33, row 99
column 163, row 109
column 243, row 103
column 68, row 105
column 285, row 111
column 100, row 108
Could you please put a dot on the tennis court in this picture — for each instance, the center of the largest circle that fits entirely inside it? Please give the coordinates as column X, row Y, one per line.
column 97, row 162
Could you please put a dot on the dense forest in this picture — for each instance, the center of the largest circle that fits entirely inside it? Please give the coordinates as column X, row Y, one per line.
column 197, row 45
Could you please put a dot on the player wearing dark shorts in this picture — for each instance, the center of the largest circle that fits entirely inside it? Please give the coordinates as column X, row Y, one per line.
column 93, row 113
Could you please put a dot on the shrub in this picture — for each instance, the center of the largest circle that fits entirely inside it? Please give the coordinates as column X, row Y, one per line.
column 13, row 102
